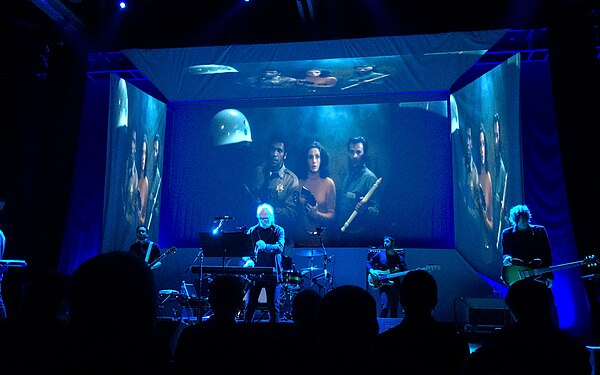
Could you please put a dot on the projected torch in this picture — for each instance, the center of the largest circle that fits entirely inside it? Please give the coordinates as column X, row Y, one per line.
column 364, row 200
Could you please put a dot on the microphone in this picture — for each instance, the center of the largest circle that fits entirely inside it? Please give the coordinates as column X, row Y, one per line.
column 224, row 217
column 318, row 230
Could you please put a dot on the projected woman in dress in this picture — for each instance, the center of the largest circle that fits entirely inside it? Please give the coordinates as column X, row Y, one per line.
column 317, row 78
column 143, row 183
column 318, row 196
column 485, row 196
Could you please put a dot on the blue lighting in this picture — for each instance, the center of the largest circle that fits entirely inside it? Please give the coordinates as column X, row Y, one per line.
column 122, row 5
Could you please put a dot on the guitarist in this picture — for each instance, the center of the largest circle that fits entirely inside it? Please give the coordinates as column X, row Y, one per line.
column 527, row 243
column 388, row 260
column 144, row 248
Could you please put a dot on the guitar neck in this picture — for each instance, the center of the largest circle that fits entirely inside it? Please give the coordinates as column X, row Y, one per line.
column 539, row 271
column 162, row 256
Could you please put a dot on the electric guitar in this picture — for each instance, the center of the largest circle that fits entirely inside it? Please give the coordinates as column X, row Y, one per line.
column 377, row 278
column 521, row 270
column 161, row 257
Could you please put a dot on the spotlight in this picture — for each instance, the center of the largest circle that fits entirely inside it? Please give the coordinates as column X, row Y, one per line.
column 122, row 4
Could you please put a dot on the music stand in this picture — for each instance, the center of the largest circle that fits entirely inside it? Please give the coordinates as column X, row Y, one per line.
column 227, row 244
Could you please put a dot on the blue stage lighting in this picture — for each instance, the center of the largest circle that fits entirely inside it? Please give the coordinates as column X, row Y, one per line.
column 122, row 5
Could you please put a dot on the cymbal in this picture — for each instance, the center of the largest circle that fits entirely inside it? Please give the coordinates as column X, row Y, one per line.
column 310, row 269
column 309, row 253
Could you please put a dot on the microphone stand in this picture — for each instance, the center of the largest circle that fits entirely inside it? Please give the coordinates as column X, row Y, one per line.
column 326, row 260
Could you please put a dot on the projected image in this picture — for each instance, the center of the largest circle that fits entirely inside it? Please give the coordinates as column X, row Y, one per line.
column 134, row 164
column 338, row 175
column 487, row 163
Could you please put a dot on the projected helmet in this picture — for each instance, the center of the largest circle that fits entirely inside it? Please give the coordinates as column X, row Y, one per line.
column 230, row 126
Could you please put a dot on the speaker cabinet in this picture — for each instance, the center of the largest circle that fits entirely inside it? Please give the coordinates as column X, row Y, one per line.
column 485, row 312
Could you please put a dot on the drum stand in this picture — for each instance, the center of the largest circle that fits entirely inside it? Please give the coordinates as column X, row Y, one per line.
column 327, row 283
column 285, row 302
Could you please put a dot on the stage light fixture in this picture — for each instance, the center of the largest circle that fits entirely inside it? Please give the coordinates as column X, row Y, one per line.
column 122, row 5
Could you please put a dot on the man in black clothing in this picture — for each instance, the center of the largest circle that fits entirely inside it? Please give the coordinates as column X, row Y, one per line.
column 526, row 245
column 386, row 261
column 268, row 239
column 144, row 248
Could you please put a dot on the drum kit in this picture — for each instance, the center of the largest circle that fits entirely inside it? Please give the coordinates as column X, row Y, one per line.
column 294, row 281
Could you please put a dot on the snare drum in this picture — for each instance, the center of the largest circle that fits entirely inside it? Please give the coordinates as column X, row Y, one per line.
column 291, row 277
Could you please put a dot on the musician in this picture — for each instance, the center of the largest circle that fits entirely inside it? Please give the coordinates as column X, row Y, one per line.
column 277, row 185
column 2, row 270
column 268, row 239
column 357, row 183
column 144, row 248
column 388, row 260
column 526, row 244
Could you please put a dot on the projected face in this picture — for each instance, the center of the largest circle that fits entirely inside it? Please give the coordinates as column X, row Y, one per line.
column 482, row 147
column 133, row 143
column 270, row 73
column 356, row 151
column 156, row 148
column 363, row 69
column 265, row 219
column 314, row 160
column 496, row 130
column 276, row 156
column 313, row 73
column 123, row 104
column 144, row 148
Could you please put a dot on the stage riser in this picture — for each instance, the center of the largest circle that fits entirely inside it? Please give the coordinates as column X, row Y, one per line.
column 456, row 279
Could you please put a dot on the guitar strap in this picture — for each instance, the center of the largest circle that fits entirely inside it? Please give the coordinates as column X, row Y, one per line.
column 149, row 251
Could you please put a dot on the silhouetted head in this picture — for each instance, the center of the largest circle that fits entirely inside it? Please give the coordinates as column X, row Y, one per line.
column 347, row 317
column 225, row 294
column 418, row 293
column 530, row 302
column 305, row 306
column 112, row 309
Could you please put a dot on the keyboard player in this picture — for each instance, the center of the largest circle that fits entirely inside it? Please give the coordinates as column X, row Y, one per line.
column 268, row 239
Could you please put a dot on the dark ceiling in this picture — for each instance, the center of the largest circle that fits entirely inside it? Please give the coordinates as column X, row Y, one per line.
column 99, row 28
column 182, row 23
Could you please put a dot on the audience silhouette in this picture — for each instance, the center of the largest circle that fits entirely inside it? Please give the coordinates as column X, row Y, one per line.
column 112, row 313
column 420, row 344
column 36, row 338
column 303, row 338
column 212, row 343
column 347, row 327
column 533, row 344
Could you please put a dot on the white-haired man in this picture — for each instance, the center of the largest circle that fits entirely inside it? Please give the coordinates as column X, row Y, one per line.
column 268, row 239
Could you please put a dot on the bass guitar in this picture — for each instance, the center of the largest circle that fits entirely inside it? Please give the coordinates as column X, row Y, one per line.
column 154, row 264
column 520, row 270
column 377, row 278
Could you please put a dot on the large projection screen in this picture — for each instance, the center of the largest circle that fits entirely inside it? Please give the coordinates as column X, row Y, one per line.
column 484, row 192
column 133, row 182
column 408, row 147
